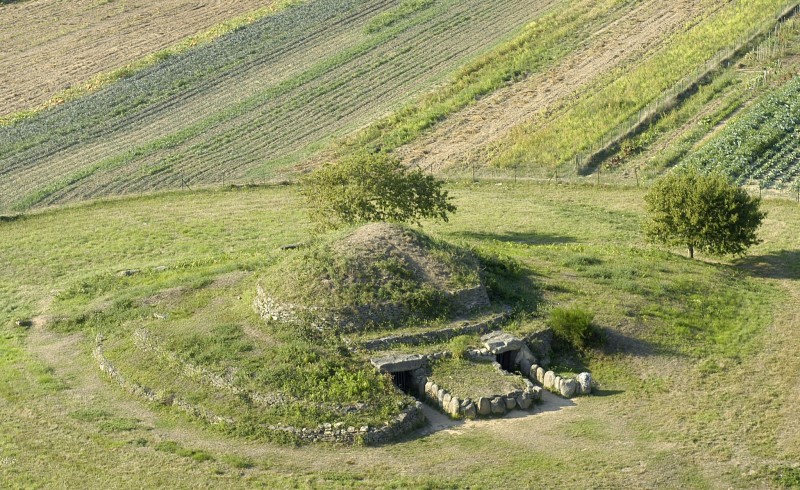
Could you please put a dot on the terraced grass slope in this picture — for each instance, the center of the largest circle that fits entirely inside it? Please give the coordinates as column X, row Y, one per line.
column 267, row 95
column 50, row 46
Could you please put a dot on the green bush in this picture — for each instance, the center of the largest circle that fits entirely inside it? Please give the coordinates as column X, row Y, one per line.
column 459, row 345
column 574, row 326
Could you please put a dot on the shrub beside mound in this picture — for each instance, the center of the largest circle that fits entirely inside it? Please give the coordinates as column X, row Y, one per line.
column 377, row 275
column 574, row 326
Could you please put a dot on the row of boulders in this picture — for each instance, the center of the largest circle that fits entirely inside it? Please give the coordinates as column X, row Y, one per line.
column 566, row 387
column 434, row 336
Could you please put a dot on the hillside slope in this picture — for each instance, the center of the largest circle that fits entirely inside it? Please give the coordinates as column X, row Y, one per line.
column 265, row 95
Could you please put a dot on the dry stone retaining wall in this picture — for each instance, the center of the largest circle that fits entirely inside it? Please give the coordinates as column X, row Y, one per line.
column 434, row 336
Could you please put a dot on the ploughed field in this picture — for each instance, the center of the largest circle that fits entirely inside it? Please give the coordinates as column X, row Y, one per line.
column 264, row 96
column 50, row 45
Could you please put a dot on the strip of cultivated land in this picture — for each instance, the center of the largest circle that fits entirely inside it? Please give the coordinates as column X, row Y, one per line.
column 260, row 98
column 624, row 64
column 47, row 46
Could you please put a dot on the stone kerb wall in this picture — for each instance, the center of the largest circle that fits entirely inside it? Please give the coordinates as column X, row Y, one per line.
column 142, row 391
column 408, row 420
column 345, row 319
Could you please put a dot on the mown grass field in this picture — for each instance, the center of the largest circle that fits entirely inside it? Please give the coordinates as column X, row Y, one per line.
column 267, row 95
column 696, row 373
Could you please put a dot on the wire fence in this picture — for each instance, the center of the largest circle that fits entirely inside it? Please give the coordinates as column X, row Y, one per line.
column 763, row 39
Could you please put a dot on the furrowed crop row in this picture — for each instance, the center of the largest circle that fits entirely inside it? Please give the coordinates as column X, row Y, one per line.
column 227, row 140
column 260, row 143
column 160, row 76
column 26, row 179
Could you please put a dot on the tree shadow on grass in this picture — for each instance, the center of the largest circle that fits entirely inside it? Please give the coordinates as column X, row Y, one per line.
column 528, row 238
column 782, row 264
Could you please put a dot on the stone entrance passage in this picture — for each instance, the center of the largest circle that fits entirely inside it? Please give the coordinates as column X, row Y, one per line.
column 507, row 360
column 404, row 380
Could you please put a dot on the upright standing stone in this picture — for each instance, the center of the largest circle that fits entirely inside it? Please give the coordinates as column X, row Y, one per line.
column 549, row 380
column 484, row 406
column 584, row 383
column 511, row 402
column 540, row 375
column 525, row 367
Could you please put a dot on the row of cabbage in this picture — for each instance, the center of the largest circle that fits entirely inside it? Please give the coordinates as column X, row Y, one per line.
column 763, row 144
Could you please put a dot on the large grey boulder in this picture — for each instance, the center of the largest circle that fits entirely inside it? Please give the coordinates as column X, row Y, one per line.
column 498, row 342
column 584, row 383
column 568, row 387
column 484, row 406
column 524, row 354
column 398, row 363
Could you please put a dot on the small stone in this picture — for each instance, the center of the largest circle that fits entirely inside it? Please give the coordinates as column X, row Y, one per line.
column 364, row 428
column 537, row 393
column 338, row 425
column 511, row 402
column 128, row 272
column 498, row 405
column 470, row 411
column 584, row 381
column 484, row 406
column 524, row 401
column 557, row 383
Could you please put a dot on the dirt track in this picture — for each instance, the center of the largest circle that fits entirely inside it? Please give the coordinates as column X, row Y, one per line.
column 48, row 45
column 464, row 137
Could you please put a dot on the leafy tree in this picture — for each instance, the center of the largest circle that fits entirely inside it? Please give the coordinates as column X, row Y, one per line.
column 705, row 212
column 373, row 187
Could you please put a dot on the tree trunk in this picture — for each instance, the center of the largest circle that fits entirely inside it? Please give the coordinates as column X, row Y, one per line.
column 691, row 251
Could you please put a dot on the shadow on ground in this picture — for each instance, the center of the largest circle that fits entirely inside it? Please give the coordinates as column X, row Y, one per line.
column 783, row 264
column 528, row 238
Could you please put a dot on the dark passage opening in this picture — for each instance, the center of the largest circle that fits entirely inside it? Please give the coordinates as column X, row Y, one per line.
column 506, row 360
column 404, row 380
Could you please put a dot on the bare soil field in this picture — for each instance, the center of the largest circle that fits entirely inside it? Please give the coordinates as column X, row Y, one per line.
column 49, row 45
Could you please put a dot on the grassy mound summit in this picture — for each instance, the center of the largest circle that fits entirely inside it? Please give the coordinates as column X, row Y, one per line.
column 374, row 276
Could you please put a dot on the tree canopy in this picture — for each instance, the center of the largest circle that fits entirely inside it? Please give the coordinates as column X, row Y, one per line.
column 373, row 187
column 704, row 212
